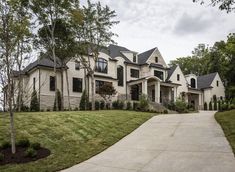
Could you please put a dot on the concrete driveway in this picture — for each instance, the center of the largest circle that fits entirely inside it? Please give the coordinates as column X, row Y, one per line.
column 167, row 143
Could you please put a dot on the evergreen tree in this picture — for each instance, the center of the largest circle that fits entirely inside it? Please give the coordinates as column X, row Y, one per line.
column 34, row 104
column 205, row 106
column 215, row 105
column 84, row 102
column 210, row 105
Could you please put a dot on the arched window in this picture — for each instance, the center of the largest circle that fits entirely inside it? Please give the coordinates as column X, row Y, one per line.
column 193, row 83
column 120, row 75
column 101, row 65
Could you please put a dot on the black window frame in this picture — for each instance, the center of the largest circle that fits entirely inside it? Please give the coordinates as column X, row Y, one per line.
column 156, row 59
column 52, row 83
column 77, row 85
column 120, row 75
column 135, row 73
column 178, row 77
column 193, row 84
column 34, row 83
column 99, row 84
column 100, row 65
column 157, row 72
column 77, row 65
column 217, row 83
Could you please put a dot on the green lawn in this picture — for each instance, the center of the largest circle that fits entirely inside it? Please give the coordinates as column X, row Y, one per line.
column 227, row 122
column 72, row 137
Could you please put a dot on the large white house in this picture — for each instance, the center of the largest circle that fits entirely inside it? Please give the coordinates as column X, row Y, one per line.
column 131, row 74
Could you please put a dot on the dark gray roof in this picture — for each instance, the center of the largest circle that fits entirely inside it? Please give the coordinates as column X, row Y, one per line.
column 157, row 65
column 115, row 51
column 170, row 72
column 143, row 57
column 205, row 81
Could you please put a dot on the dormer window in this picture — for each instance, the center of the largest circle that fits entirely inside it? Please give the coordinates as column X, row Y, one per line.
column 77, row 65
column 134, row 59
column 156, row 59
column 217, row 83
column 193, row 83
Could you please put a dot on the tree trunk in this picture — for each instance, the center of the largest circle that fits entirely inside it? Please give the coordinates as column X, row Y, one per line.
column 92, row 92
column 54, row 58
column 62, row 90
column 67, row 81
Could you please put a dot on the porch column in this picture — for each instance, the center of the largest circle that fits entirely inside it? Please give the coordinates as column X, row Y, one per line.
column 145, row 87
column 157, row 92
column 175, row 93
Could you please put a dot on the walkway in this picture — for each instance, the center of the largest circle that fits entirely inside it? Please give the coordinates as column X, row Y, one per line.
column 167, row 143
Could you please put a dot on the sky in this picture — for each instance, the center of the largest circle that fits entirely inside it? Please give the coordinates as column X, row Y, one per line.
column 176, row 27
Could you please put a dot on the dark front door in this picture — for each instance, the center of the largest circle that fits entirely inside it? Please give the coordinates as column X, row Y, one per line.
column 135, row 92
column 153, row 95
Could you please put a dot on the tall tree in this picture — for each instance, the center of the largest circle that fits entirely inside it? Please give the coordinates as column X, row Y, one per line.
column 227, row 5
column 11, row 31
column 92, row 27
column 48, row 13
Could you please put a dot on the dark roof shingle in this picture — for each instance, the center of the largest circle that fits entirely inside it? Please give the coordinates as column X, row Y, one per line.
column 143, row 57
column 170, row 72
column 205, row 81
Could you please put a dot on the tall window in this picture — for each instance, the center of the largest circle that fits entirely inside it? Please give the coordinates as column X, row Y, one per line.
column 159, row 74
column 156, row 59
column 101, row 65
column 77, row 85
column 99, row 84
column 34, row 83
column 120, row 75
column 193, row 83
column 134, row 59
column 178, row 77
column 135, row 73
column 77, row 65
column 52, row 83
column 217, row 83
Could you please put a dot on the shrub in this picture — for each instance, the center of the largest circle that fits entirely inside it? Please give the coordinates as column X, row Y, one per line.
column 115, row 104
column 205, row 106
column 23, row 143
column 224, row 107
column 219, row 105
column 97, row 105
column 35, row 145
column 89, row 106
column 181, row 106
column 48, row 109
column 1, row 157
column 171, row 105
column 5, row 145
column 136, row 105
column 232, row 106
column 102, row 105
column 210, row 105
column 76, row 109
column 30, row 152
column 165, row 111
column 84, row 102
column 107, row 105
column 59, row 102
column 120, row 105
column 144, row 104
column 215, row 105
column 128, row 106
column 34, row 104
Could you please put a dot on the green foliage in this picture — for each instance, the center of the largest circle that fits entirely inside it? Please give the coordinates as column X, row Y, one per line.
column 215, row 105
column 102, row 105
column 35, row 145
column 34, row 104
column 135, row 105
column 181, row 106
column 84, row 102
column 120, row 104
column 231, row 106
column 210, row 105
column 224, row 107
column 97, row 105
column 219, row 105
column 59, row 102
column 89, row 106
column 30, row 152
column 107, row 91
column 128, row 106
column 205, row 106
column 23, row 142
column 5, row 144
column 1, row 157
column 115, row 104
column 165, row 111
column 143, row 104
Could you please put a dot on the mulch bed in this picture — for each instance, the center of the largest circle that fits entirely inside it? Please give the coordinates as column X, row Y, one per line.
column 19, row 157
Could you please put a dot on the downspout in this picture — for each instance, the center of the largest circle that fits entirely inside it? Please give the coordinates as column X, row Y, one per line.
column 126, row 81
column 39, row 88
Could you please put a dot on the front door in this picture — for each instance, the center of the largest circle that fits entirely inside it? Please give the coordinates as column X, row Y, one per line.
column 135, row 92
column 153, row 95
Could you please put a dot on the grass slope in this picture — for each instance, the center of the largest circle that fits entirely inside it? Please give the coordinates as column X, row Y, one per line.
column 227, row 122
column 72, row 137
